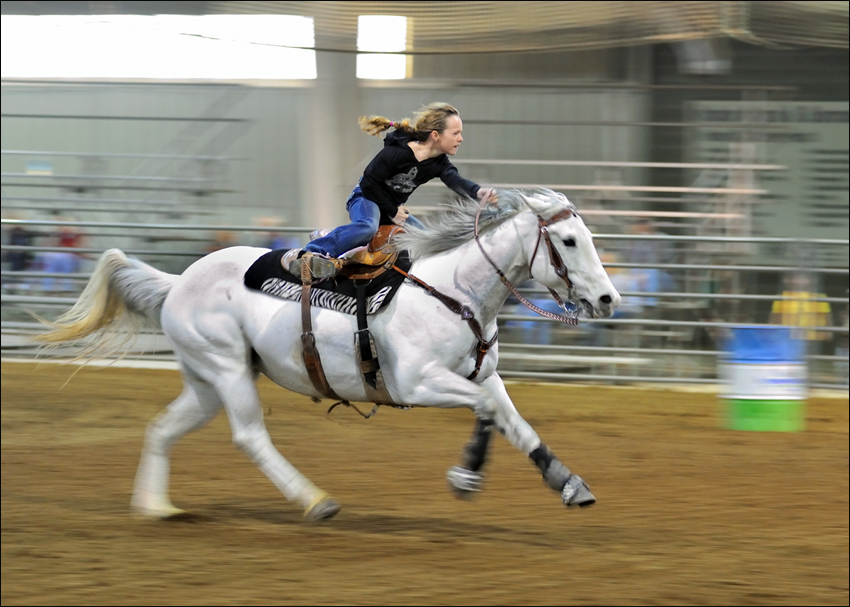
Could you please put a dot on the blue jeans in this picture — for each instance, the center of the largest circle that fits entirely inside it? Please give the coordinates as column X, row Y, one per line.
column 365, row 217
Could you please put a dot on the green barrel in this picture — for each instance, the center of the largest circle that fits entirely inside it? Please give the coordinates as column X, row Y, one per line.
column 764, row 380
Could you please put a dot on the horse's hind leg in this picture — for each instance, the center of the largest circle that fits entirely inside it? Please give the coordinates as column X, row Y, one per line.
column 189, row 412
column 238, row 391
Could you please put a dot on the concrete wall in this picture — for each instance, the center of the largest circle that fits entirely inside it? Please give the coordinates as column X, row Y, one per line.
column 283, row 144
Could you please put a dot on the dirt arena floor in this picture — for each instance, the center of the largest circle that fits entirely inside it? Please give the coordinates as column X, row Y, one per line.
column 688, row 514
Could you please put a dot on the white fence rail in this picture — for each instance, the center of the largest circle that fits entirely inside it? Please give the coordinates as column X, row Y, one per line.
column 676, row 339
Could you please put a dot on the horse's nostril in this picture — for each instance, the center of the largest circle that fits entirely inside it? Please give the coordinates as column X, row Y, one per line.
column 606, row 299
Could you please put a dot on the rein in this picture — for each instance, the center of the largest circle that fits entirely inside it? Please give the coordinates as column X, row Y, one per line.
column 469, row 316
column 465, row 313
column 554, row 258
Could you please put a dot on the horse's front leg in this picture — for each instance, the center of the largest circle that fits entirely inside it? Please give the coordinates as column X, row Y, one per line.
column 446, row 389
column 467, row 478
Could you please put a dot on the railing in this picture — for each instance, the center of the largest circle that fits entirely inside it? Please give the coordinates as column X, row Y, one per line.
column 661, row 346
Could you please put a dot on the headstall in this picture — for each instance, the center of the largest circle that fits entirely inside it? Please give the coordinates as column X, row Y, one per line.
column 570, row 317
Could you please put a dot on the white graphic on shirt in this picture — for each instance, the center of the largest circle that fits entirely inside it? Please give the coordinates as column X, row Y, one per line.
column 403, row 182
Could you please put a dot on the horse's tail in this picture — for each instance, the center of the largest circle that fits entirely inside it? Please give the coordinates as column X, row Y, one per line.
column 121, row 295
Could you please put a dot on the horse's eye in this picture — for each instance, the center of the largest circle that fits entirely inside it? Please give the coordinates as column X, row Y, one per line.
column 570, row 242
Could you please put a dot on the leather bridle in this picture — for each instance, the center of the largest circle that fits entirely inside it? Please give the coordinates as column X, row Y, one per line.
column 555, row 260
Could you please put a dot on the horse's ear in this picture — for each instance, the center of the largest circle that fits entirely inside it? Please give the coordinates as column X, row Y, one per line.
column 538, row 202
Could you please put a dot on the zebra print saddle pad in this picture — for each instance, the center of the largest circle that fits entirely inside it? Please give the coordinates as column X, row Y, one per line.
column 340, row 294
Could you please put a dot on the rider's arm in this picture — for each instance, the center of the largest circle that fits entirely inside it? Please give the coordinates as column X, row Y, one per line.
column 452, row 179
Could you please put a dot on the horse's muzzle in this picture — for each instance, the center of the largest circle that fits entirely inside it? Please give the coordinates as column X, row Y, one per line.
column 604, row 308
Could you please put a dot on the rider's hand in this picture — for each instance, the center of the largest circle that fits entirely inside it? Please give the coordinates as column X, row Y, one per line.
column 401, row 216
column 488, row 195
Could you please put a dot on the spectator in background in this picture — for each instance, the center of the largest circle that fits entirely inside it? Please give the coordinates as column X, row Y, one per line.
column 649, row 251
column 625, row 280
column 279, row 241
column 62, row 262
column 536, row 331
column 652, row 253
column 798, row 310
column 19, row 261
column 842, row 345
column 274, row 239
column 221, row 240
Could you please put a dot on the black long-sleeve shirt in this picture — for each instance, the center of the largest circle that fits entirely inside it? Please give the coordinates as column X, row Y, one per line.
column 394, row 173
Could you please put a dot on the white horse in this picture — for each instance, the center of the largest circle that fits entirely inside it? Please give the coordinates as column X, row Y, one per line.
column 224, row 335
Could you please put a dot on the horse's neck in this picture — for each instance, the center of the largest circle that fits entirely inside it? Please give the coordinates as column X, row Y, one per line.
column 465, row 274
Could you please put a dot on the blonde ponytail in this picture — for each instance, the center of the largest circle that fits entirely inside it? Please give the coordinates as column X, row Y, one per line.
column 432, row 117
column 375, row 125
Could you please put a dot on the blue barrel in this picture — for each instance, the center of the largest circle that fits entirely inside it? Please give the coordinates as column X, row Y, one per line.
column 764, row 379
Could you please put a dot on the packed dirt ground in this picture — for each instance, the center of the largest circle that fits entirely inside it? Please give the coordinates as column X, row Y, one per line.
column 688, row 513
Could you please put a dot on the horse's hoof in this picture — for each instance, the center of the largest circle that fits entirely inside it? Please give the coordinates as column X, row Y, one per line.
column 577, row 493
column 322, row 509
column 465, row 483
column 166, row 512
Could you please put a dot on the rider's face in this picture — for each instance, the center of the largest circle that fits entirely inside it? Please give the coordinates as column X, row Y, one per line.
column 449, row 138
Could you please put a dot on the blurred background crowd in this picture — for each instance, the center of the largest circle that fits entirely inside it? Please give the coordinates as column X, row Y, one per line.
column 706, row 144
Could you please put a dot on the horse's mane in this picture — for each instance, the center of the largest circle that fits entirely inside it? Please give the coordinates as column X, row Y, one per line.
column 454, row 225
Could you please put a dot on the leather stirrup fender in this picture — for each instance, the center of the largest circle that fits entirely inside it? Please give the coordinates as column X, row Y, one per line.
column 310, row 354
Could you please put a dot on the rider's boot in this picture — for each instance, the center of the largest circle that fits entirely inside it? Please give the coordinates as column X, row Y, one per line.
column 320, row 265
column 323, row 266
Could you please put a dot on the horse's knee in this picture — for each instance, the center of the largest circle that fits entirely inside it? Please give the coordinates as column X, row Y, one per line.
column 486, row 409
column 243, row 441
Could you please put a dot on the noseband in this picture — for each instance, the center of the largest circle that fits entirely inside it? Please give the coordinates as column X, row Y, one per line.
column 555, row 260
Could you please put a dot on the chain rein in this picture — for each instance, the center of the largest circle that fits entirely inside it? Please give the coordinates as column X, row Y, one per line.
column 555, row 260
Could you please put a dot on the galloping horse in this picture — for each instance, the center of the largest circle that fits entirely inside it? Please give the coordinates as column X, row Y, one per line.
column 225, row 334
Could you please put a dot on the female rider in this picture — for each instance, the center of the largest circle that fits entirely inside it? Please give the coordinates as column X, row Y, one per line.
column 412, row 155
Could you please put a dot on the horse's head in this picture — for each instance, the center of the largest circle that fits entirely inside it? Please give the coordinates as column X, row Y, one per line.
column 562, row 256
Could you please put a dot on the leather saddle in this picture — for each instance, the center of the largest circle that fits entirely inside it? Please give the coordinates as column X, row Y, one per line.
column 374, row 258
